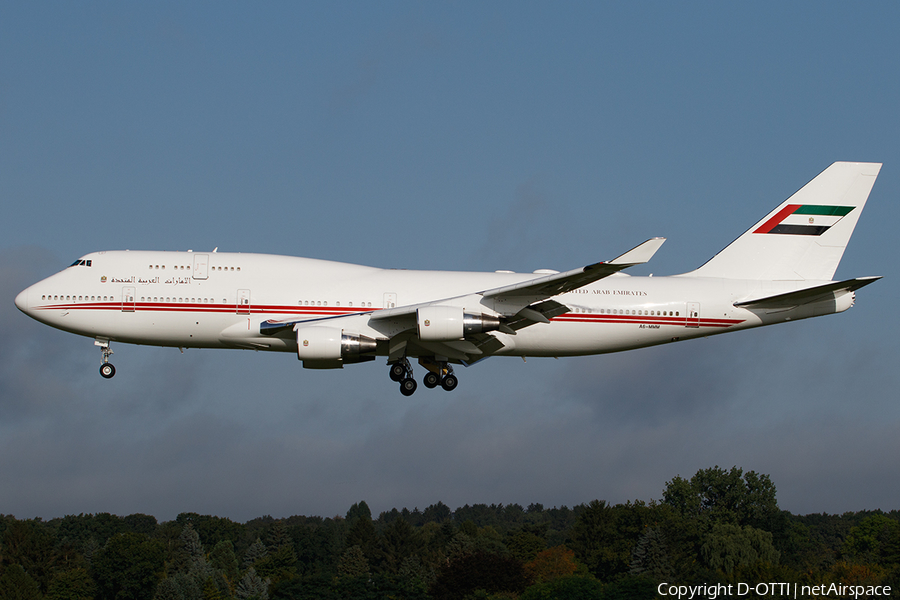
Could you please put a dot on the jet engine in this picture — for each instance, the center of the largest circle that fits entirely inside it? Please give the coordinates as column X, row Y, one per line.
column 448, row 323
column 331, row 348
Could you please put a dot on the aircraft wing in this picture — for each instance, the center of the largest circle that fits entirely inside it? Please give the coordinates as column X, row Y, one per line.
column 560, row 283
column 522, row 304
column 528, row 292
column 808, row 295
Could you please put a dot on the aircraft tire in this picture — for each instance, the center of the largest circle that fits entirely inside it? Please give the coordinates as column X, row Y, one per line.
column 107, row 371
column 449, row 383
column 408, row 386
column 397, row 372
column 431, row 380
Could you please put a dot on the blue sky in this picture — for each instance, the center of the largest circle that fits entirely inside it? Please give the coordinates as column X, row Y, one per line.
column 470, row 136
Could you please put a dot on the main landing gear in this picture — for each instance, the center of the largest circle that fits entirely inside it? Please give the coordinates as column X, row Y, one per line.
column 439, row 373
column 107, row 370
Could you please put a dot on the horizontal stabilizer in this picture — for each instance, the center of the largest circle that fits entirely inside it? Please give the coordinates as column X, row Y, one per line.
column 808, row 295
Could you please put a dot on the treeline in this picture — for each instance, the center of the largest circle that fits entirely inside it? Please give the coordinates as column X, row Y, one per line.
column 719, row 526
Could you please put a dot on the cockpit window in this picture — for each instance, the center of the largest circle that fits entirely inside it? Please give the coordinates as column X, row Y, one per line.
column 81, row 263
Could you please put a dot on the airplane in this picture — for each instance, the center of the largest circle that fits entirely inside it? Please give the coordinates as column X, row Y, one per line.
column 333, row 314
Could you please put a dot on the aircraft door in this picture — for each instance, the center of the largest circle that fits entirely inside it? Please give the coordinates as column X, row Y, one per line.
column 693, row 315
column 201, row 266
column 243, row 302
column 128, row 299
column 390, row 300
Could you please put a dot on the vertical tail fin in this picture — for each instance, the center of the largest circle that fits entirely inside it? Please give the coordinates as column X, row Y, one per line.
column 805, row 237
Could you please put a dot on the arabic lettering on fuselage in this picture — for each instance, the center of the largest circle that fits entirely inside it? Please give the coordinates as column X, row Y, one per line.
column 151, row 281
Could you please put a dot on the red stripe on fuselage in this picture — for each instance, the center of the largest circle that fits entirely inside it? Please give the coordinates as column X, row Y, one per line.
column 332, row 311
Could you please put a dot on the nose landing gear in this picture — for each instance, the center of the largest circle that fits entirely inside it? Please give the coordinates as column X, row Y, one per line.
column 107, row 370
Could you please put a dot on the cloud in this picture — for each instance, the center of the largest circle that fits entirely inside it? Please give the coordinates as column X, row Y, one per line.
column 242, row 434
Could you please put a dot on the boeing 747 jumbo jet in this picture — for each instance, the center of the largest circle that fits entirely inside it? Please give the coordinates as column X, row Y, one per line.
column 333, row 314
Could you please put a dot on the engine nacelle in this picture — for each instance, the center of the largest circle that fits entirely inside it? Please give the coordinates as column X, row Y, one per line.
column 331, row 348
column 448, row 323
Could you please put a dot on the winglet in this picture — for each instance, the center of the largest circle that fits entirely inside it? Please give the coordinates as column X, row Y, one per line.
column 639, row 254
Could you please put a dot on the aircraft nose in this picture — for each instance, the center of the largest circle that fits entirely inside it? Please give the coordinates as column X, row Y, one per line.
column 22, row 301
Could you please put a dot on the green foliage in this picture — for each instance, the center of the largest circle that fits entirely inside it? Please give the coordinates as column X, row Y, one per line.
column 629, row 588
column 278, row 565
column 525, row 545
column 255, row 552
column 359, row 510
column 604, row 536
column 727, row 547
column 31, row 545
column 75, row 584
column 650, row 557
column 168, row 589
column 16, row 584
column 398, row 542
column 571, row 587
column 188, row 552
column 719, row 525
column 353, row 563
column 129, row 566
column 875, row 540
column 252, row 587
column 493, row 573
column 222, row 558
column 719, row 495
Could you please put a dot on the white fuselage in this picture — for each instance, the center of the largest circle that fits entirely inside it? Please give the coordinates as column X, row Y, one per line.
column 219, row 300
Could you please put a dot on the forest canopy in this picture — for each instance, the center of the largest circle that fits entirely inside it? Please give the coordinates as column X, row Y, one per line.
column 720, row 526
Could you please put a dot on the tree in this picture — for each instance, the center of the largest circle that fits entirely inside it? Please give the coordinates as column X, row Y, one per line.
column 399, row 542
column 592, row 540
column 565, row 588
column 359, row 511
column 278, row 536
column 437, row 513
column 362, row 533
column 353, row 563
column 168, row 589
column 189, row 550
column 551, row 564
column 492, row 573
column 252, row 587
column 650, row 557
column 875, row 540
column 222, row 559
column 256, row 551
column 75, row 584
column 129, row 566
column 16, row 584
column 31, row 545
column 727, row 547
column 278, row 565
column 728, row 496
column 525, row 545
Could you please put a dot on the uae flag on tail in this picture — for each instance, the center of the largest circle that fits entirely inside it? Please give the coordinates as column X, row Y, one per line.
column 804, row 219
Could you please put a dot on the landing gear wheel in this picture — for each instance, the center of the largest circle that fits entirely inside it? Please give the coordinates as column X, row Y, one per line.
column 397, row 372
column 408, row 386
column 449, row 382
column 107, row 370
column 431, row 380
